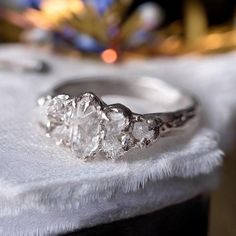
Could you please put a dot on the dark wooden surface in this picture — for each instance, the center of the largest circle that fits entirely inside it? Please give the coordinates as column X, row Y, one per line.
column 186, row 219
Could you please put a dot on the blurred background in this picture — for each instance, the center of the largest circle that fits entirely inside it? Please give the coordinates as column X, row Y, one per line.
column 116, row 31
column 124, row 28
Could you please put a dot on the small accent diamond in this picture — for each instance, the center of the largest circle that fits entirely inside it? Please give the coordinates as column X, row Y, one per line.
column 42, row 113
column 142, row 132
column 127, row 141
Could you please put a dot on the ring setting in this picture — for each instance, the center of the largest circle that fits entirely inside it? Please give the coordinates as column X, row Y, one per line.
column 87, row 126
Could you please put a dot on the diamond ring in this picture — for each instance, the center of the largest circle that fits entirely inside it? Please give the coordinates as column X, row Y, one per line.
column 80, row 120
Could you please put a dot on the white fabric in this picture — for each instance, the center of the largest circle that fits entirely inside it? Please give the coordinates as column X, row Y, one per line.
column 43, row 189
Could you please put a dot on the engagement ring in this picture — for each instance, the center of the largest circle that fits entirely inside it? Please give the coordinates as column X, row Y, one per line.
column 75, row 116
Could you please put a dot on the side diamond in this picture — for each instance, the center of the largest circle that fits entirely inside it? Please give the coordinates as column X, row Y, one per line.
column 60, row 109
column 56, row 118
column 114, row 126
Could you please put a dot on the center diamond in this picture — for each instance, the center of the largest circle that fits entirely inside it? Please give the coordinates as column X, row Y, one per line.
column 87, row 126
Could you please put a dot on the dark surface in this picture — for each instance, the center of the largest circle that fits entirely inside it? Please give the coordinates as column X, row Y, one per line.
column 223, row 200
column 186, row 219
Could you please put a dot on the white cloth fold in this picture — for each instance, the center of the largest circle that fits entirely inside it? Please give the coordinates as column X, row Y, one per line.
column 43, row 183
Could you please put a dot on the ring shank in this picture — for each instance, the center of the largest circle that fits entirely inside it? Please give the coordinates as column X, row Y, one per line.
column 151, row 89
column 180, row 107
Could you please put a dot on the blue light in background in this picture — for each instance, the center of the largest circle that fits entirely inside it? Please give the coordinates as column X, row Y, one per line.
column 29, row 3
column 86, row 43
column 100, row 5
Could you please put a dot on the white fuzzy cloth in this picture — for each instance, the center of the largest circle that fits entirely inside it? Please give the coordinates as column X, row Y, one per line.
column 43, row 189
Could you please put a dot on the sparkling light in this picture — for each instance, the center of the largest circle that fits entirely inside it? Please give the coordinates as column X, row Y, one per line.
column 109, row 56
column 57, row 9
